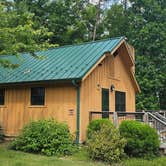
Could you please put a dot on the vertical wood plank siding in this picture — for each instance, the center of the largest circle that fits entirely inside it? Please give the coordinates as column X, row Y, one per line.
column 103, row 76
column 18, row 111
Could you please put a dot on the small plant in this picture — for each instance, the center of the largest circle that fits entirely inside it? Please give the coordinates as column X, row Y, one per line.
column 47, row 137
column 142, row 140
column 104, row 142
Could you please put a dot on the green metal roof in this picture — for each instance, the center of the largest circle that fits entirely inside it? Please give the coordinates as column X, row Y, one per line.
column 61, row 63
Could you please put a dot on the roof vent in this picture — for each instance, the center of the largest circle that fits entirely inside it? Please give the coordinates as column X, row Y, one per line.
column 27, row 71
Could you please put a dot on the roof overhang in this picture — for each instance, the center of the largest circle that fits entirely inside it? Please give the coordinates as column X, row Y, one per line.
column 41, row 82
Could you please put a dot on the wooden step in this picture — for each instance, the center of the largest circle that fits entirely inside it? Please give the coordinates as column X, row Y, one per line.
column 163, row 148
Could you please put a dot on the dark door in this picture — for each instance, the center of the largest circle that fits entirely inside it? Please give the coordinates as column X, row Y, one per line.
column 120, row 101
column 105, row 103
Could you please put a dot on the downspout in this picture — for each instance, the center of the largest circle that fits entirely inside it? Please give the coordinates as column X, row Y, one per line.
column 78, row 111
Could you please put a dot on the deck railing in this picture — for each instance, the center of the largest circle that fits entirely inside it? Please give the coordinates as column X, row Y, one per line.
column 117, row 117
column 156, row 119
column 158, row 122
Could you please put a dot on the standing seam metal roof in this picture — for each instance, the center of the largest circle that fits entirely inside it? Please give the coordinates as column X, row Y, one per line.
column 61, row 63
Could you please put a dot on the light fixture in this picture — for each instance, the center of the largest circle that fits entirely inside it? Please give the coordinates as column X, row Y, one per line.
column 112, row 88
column 98, row 87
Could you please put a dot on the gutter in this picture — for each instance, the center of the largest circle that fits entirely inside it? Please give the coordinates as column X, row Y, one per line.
column 77, row 86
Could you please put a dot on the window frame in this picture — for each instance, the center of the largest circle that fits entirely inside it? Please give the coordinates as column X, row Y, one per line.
column 40, row 102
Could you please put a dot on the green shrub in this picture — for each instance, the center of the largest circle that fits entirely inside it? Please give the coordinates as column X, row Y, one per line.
column 104, row 142
column 1, row 134
column 142, row 140
column 46, row 137
column 96, row 125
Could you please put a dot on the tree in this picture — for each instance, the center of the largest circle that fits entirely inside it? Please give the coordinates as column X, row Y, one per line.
column 150, row 84
column 62, row 17
column 18, row 34
column 143, row 23
column 148, row 34
column 116, row 21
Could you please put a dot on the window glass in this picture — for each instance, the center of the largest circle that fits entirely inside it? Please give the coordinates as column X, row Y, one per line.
column 2, row 96
column 120, row 101
column 37, row 96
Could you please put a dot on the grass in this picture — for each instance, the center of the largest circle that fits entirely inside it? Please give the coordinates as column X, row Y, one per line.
column 15, row 158
column 160, row 161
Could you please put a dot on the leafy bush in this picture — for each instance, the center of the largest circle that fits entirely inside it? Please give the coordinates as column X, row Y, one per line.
column 45, row 136
column 1, row 134
column 104, row 142
column 142, row 140
column 96, row 125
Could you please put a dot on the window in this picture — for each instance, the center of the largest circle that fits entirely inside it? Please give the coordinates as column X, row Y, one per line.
column 120, row 101
column 37, row 96
column 105, row 103
column 2, row 96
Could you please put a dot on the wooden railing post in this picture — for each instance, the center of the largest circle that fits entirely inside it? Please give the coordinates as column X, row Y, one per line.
column 145, row 117
column 115, row 120
column 164, row 114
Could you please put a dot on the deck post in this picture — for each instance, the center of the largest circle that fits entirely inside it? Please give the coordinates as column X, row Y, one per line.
column 115, row 119
column 164, row 114
column 145, row 117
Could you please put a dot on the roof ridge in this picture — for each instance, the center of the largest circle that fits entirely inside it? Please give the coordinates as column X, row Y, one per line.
column 69, row 45
column 77, row 44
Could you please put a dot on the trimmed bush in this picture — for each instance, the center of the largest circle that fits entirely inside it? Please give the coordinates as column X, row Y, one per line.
column 47, row 137
column 104, row 142
column 142, row 140
column 96, row 125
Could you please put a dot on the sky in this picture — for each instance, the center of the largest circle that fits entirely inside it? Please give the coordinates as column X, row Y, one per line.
column 106, row 4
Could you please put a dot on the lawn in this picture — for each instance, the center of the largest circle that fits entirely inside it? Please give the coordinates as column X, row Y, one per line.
column 14, row 158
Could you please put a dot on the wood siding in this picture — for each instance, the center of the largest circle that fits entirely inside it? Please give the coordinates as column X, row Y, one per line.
column 111, row 71
column 60, row 104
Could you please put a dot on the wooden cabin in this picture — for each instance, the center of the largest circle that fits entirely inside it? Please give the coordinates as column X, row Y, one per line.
column 66, row 83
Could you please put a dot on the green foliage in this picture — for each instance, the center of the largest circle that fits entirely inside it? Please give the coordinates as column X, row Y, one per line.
column 62, row 17
column 148, row 81
column 142, row 140
column 96, row 125
column 19, row 34
column 147, row 34
column 47, row 137
column 116, row 21
column 104, row 142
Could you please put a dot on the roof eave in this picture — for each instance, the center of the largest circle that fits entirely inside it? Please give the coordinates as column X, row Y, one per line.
column 69, row 80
